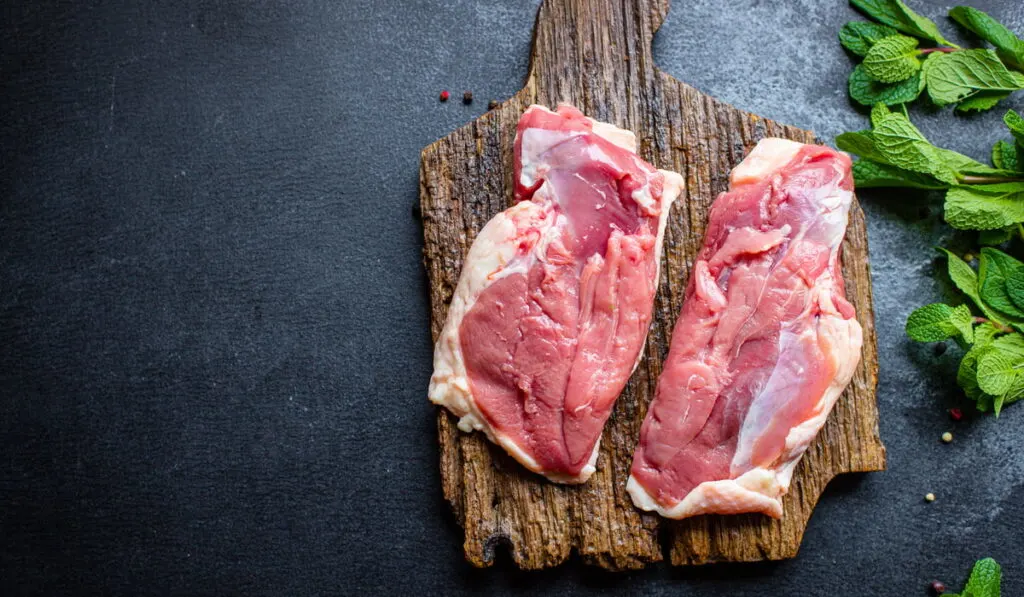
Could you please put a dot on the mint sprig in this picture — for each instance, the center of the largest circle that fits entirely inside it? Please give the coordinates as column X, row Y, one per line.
column 991, row 372
column 1009, row 47
column 895, row 70
column 894, row 153
column 985, row 581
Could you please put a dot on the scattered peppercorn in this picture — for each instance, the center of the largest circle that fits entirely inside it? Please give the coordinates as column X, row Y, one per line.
column 938, row 587
column 956, row 414
column 968, row 257
column 444, row 96
column 467, row 97
column 940, row 349
column 947, row 437
column 492, row 104
column 929, row 497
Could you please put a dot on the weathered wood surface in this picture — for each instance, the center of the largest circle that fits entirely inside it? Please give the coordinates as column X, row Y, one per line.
column 596, row 55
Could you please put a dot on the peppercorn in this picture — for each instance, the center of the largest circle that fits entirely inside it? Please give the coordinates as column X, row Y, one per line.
column 938, row 587
column 929, row 497
column 940, row 349
column 444, row 96
column 956, row 414
column 467, row 97
column 947, row 437
column 968, row 257
column 492, row 104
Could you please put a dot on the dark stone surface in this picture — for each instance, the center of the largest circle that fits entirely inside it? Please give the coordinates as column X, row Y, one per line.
column 213, row 332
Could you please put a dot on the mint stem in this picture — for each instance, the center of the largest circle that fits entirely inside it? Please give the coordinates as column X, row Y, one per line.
column 930, row 50
column 968, row 179
column 1002, row 327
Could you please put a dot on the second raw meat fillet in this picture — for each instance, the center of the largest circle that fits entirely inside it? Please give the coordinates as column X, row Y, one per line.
column 765, row 343
column 551, row 311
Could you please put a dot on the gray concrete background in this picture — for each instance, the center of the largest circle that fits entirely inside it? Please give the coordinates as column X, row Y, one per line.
column 214, row 341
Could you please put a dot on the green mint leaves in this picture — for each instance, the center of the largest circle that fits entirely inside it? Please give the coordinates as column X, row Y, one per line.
column 895, row 70
column 1015, row 122
column 938, row 321
column 985, row 581
column 992, row 370
column 897, row 15
column 902, row 55
column 894, row 153
column 859, row 36
column 892, row 59
column 868, row 92
column 1009, row 47
column 956, row 76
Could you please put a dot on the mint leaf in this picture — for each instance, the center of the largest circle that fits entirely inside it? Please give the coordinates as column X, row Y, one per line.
column 868, row 174
column 1015, row 393
column 985, row 207
column 892, row 59
column 1005, row 157
column 861, row 143
column 896, row 14
column 962, row 275
column 1011, row 344
column 956, row 76
column 939, row 321
column 982, row 101
column 994, row 268
column 986, row 579
column 879, row 112
column 866, row 91
column 967, row 373
column 1015, row 123
column 903, row 146
column 963, row 164
column 859, row 36
column 1015, row 287
column 1009, row 47
column 995, row 237
column 997, row 370
column 984, row 334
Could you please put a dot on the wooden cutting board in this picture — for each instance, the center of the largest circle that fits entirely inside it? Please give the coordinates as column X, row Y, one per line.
column 596, row 55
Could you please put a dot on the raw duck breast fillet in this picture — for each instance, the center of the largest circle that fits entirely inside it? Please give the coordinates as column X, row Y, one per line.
column 552, row 308
column 764, row 345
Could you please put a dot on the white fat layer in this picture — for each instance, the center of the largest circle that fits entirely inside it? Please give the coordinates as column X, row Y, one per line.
column 770, row 154
column 613, row 134
column 757, row 490
column 535, row 143
column 843, row 338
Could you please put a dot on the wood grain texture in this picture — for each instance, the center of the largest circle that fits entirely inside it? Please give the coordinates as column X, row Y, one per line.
column 596, row 55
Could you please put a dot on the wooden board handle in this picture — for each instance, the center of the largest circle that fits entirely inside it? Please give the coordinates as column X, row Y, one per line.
column 594, row 53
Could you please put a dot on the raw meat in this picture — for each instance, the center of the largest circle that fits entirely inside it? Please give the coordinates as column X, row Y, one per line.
column 552, row 308
column 764, row 345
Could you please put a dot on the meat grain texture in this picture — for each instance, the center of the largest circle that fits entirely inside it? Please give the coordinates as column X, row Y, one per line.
column 554, row 301
column 765, row 344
